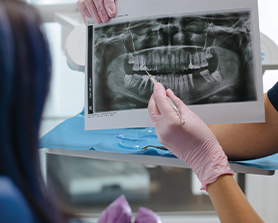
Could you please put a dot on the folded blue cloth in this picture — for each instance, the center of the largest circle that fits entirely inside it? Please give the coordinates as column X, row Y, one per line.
column 71, row 135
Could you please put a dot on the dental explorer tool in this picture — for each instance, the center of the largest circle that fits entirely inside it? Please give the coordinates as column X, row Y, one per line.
column 170, row 101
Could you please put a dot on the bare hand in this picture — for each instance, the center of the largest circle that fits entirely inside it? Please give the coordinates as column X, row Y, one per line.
column 99, row 10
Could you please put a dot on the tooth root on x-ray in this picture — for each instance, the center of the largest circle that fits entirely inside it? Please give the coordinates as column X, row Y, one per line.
column 206, row 75
column 136, row 65
column 216, row 75
column 177, row 58
column 131, row 59
column 149, row 63
column 196, row 56
column 127, row 80
column 142, row 62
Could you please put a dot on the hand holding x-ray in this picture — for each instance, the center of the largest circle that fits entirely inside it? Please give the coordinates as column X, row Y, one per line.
column 99, row 10
column 193, row 143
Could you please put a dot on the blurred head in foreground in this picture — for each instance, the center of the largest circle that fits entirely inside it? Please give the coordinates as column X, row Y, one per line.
column 25, row 70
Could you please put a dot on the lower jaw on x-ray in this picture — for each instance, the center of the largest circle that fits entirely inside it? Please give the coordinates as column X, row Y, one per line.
column 203, row 59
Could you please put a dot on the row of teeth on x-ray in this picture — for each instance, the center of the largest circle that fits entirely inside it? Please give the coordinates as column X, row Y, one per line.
column 174, row 64
column 165, row 61
column 175, row 82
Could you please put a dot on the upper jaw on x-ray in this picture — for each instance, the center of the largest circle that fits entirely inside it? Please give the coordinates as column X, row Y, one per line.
column 203, row 59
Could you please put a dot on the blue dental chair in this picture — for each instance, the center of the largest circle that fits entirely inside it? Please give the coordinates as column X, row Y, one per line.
column 13, row 206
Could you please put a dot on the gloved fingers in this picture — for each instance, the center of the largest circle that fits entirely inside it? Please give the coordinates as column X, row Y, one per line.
column 110, row 7
column 101, row 10
column 178, row 102
column 152, row 108
column 84, row 19
column 83, row 9
column 162, row 103
column 156, row 117
column 90, row 5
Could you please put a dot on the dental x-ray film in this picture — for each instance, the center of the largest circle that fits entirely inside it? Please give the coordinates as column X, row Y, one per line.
column 207, row 52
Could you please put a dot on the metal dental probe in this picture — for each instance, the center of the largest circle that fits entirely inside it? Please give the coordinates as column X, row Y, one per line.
column 170, row 101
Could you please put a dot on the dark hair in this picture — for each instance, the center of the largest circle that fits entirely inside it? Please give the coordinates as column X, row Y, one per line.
column 25, row 70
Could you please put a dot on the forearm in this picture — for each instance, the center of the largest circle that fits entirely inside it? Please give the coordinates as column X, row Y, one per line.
column 196, row 145
column 252, row 140
column 230, row 203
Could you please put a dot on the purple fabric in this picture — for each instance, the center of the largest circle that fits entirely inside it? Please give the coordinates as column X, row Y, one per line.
column 145, row 215
column 117, row 212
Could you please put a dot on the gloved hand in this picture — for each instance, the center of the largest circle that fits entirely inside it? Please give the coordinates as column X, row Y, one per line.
column 193, row 142
column 99, row 10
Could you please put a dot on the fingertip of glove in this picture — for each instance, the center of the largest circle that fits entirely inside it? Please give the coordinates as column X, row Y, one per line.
column 112, row 13
column 111, row 10
column 158, row 87
column 155, row 87
column 170, row 91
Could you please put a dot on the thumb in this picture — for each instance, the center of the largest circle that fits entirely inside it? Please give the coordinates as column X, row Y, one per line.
column 162, row 102
column 178, row 102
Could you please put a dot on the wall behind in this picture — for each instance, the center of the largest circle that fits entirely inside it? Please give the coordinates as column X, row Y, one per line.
column 66, row 98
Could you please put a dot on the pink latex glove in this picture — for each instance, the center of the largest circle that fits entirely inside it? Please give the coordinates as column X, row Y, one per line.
column 193, row 142
column 99, row 10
